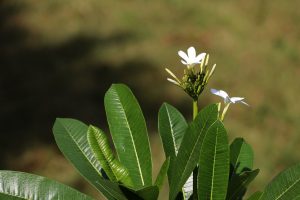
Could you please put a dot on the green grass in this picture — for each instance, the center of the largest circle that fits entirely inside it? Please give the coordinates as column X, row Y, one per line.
column 255, row 44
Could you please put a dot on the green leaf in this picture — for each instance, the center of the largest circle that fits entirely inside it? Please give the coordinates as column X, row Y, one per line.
column 241, row 156
column 128, row 128
column 171, row 126
column 147, row 193
column 285, row 186
column 162, row 173
column 241, row 161
column 255, row 196
column 71, row 138
column 238, row 184
column 214, row 164
column 20, row 186
column 112, row 167
column 189, row 151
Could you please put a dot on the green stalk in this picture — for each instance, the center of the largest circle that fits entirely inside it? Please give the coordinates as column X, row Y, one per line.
column 195, row 171
column 224, row 111
column 195, row 109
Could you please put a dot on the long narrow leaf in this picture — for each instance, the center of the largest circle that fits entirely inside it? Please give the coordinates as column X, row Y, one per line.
column 128, row 128
column 214, row 164
column 162, row 173
column 241, row 156
column 189, row 151
column 71, row 138
column 23, row 186
column 238, row 184
column 285, row 186
column 147, row 193
column 112, row 167
column 171, row 126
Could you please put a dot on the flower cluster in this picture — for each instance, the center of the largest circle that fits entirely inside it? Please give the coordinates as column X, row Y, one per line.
column 194, row 80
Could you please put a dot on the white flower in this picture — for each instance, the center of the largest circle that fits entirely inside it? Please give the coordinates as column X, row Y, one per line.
column 227, row 99
column 191, row 58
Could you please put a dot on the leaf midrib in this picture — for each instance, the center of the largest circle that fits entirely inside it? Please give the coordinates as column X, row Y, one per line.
column 131, row 137
column 77, row 145
column 172, row 132
column 285, row 191
column 213, row 172
column 236, row 161
column 105, row 156
column 193, row 149
column 173, row 138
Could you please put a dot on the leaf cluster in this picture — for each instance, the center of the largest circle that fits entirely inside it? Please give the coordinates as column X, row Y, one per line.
column 199, row 149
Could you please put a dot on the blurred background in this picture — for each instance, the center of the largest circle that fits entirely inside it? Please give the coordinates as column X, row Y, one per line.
column 58, row 57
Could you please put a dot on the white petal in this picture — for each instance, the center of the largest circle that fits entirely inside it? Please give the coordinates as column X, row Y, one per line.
column 220, row 93
column 236, row 99
column 200, row 56
column 193, row 62
column 191, row 52
column 183, row 55
column 243, row 102
column 184, row 62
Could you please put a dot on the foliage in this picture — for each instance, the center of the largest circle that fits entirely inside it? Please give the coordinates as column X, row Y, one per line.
column 73, row 61
column 19, row 185
column 223, row 171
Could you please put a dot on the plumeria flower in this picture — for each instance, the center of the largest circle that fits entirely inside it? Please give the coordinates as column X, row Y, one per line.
column 227, row 100
column 226, row 97
column 194, row 80
column 191, row 58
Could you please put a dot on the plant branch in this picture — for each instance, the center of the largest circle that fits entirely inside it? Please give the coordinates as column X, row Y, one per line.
column 195, row 171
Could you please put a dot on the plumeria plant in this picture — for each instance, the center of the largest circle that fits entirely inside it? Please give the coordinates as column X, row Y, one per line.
column 200, row 163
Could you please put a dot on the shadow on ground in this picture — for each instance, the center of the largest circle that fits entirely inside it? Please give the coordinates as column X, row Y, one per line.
column 40, row 82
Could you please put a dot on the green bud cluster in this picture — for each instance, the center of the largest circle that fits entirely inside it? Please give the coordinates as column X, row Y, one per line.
column 194, row 81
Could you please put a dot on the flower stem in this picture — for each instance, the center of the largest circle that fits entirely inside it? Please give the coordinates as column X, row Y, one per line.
column 224, row 111
column 195, row 109
column 195, row 171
